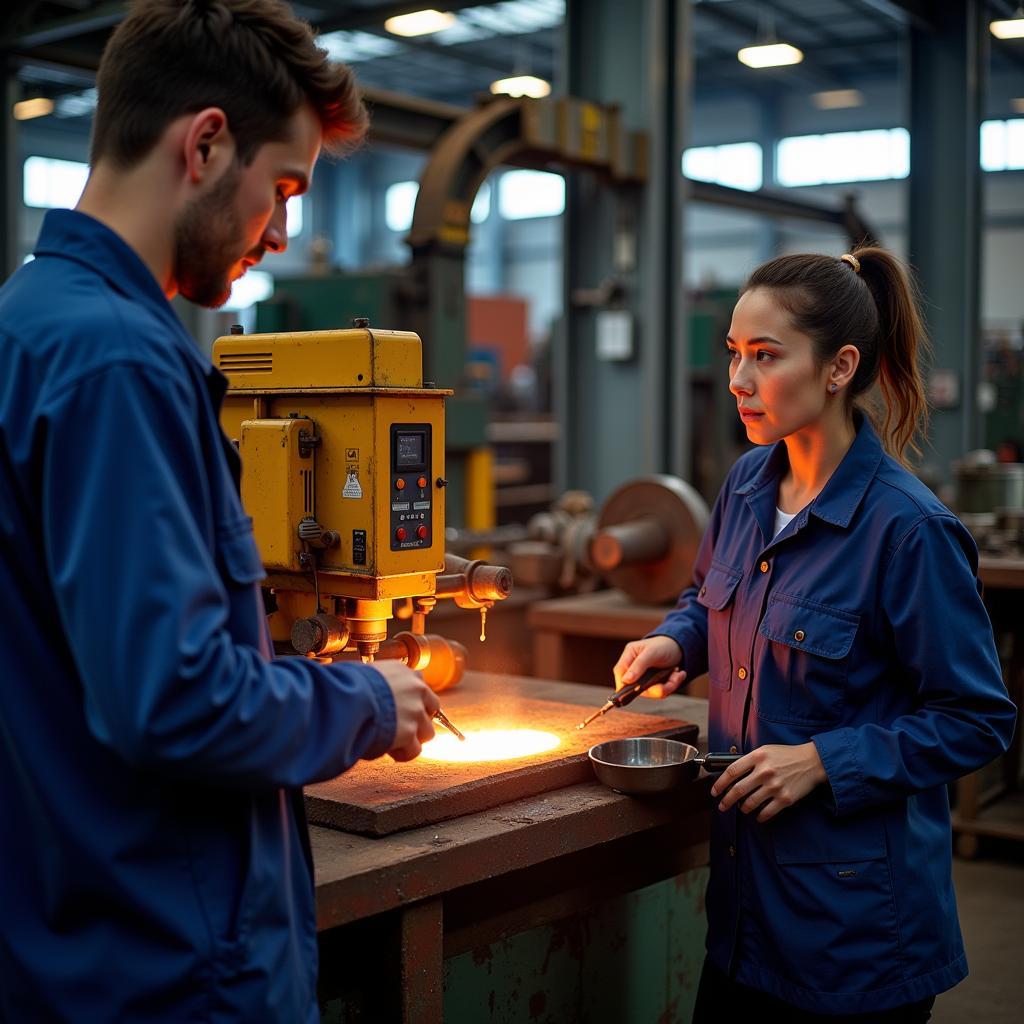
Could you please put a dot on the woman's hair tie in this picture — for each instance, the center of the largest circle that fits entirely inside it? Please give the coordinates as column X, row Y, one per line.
column 852, row 260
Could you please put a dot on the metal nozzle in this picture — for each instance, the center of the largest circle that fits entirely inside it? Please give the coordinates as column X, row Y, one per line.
column 442, row 719
column 597, row 714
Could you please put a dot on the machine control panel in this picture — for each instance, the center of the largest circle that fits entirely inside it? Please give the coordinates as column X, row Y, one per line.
column 412, row 503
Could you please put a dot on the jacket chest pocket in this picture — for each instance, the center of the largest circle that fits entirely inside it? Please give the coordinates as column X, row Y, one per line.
column 240, row 566
column 238, row 557
column 717, row 594
column 805, row 668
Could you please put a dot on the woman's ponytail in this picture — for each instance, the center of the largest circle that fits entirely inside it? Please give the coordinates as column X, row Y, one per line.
column 902, row 342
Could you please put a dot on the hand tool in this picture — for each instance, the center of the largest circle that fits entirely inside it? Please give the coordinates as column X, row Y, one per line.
column 442, row 719
column 628, row 693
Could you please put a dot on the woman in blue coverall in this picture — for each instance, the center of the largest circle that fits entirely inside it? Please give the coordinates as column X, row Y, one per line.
column 836, row 609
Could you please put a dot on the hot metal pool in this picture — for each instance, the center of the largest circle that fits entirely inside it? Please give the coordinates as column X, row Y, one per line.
column 380, row 797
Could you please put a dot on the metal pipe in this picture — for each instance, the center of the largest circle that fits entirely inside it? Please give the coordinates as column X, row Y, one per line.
column 641, row 540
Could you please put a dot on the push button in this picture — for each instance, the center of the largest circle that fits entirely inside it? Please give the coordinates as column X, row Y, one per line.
column 400, row 484
column 422, row 482
column 400, row 533
column 742, row 673
column 764, row 567
column 421, row 532
column 799, row 636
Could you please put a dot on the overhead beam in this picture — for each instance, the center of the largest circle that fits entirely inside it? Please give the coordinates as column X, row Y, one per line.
column 46, row 33
column 918, row 13
column 808, row 71
column 369, row 17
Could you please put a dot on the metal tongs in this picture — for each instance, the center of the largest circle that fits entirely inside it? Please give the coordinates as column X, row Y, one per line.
column 629, row 693
column 442, row 719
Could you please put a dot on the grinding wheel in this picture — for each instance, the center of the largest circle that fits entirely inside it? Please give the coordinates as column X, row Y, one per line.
column 655, row 555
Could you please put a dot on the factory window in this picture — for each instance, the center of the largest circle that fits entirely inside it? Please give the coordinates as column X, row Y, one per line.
column 737, row 165
column 253, row 286
column 294, row 209
column 49, row 183
column 1002, row 145
column 524, row 194
column 843, row 156
column 400, row 199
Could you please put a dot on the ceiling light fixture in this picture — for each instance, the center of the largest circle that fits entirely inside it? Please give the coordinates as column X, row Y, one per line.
column 522, row 85
column 1009, row 28
column 838, row 99
column 419, row 23
column 38, row 106
column 770, row 55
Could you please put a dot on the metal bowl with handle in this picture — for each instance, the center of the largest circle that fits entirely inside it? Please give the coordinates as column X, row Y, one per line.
column 647, row 764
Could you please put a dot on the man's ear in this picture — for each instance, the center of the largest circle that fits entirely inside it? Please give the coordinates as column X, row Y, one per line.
column 208, row 145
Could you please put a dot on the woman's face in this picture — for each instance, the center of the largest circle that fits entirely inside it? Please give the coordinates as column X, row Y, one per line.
column 778, row 387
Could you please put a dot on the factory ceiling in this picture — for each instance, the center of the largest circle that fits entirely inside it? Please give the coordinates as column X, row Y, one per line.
column 55, row 44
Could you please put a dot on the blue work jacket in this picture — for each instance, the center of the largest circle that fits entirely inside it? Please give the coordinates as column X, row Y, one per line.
column 860, row 627
column 154, row 859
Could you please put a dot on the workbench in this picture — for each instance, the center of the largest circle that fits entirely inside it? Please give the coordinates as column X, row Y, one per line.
column 395, row 913
column 580, row 637
column 987, row 806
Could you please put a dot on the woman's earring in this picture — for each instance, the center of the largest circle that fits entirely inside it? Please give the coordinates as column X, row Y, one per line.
column 833, row 388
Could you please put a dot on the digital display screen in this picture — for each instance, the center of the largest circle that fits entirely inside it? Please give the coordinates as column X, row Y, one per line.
column 409, row 450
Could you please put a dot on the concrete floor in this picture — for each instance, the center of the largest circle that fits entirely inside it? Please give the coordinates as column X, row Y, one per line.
column 990, row 897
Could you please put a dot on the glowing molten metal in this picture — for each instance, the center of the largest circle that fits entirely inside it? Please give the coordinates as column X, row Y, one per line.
column 489, row 745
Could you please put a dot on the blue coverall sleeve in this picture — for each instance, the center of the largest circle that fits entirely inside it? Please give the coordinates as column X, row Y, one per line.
column 147, row 612
column 687, row 623
column 946, row 655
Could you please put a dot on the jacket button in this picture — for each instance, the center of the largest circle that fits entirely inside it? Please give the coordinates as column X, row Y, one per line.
column 733, row 750
column 799, row 635
column 742, row 673
column 703, row 591
column 732, row 851
column 764, row 567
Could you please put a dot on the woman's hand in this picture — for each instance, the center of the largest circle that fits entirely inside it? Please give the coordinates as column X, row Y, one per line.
column 770, row 778
column 654, row 652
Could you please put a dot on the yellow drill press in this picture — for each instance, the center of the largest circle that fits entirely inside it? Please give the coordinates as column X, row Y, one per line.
column 342, row 452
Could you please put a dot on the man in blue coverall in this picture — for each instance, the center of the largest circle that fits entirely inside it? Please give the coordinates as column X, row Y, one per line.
column 154, row 859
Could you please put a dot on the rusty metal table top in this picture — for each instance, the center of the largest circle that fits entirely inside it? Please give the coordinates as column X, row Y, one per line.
column 357, row 876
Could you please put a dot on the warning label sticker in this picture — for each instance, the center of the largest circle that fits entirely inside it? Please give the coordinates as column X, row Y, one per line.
column 352, row 489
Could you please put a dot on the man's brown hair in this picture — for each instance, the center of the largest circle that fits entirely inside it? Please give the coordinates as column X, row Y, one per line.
column 254, row 59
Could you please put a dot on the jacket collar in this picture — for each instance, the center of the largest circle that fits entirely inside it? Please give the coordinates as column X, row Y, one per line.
column 71, row 235
column 839, row 498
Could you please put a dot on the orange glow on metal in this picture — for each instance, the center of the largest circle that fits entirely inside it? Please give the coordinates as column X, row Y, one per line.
column 489, row 745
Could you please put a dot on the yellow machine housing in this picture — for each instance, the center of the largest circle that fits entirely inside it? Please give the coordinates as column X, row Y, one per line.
column 335, row 427
column 342, row 453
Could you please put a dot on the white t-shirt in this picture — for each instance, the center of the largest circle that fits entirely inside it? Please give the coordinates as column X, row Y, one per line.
column 782, row 520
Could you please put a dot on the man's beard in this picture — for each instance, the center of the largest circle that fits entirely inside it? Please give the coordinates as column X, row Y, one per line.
column 206, row 240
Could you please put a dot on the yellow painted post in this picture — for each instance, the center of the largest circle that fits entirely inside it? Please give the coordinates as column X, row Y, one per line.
column 480, row 503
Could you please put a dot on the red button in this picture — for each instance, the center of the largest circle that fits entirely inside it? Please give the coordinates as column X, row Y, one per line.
column 400, row 533
column 421, row 532
column 400, row 484
column 422, row 482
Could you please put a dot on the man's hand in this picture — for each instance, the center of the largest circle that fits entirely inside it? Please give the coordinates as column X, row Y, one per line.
column 415, row 704
column 770, row 778
column 654, row 652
